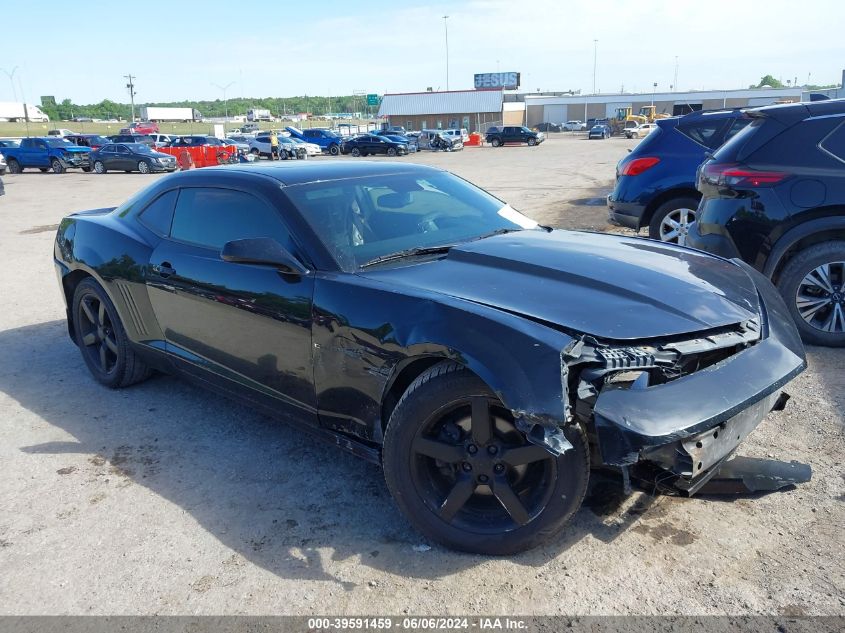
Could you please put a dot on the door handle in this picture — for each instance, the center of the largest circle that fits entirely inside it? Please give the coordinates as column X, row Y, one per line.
column 164, row 270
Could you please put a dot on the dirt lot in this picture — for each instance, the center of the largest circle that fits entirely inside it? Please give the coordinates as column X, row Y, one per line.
column 164, row 499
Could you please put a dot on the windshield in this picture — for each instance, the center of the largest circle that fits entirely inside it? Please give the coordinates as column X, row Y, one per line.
column 362, row 219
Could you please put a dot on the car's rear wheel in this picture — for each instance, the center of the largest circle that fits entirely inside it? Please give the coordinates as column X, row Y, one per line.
column 14, row 166
column 356, row 152
column 672, row 220
column 143, row 167
column 99, row 167
column 391, row 151
column 465, row 477
column 813, row 286
column 102, row 338
column 495, row 142
column 57, row 167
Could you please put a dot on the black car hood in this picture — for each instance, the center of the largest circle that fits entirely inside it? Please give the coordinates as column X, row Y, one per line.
column 605, row 285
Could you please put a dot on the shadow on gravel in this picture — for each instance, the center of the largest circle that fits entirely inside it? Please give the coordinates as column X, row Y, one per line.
column 274, row 495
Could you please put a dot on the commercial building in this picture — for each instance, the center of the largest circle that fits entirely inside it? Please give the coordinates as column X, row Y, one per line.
column 562, row 108
column 475, row 110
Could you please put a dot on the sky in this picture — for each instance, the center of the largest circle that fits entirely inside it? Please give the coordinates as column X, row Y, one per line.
column 178, row 50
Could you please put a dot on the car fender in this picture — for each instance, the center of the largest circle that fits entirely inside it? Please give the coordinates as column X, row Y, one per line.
column 795, row 235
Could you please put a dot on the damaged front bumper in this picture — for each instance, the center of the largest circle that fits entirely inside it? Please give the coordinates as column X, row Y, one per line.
column 689, row 426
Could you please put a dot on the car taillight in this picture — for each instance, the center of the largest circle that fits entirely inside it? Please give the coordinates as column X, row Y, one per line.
column 732, row 175
column 638, row 166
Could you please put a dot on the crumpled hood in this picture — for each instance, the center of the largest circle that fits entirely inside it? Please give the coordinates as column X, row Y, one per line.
column 605, row 285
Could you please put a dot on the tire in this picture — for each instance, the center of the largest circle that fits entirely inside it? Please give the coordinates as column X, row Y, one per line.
column 391, row 151
column 99, row 167
column 682, row 212
column 496, row 142
column 634, row 136
column 334, row 150
column 57, row 167
column 815, row 277
column 102, row 339
column 442, row 400
column 86, row 169
column 143, row 167
column 532, row 142
column 356, row 152
column 14, row 166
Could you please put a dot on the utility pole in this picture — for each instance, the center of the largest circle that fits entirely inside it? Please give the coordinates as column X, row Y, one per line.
column 653, row 90
column 675, row 83
column 11, row 76
column 225, row 100
column 446, row 27
column 595, row 53
column 131, row 86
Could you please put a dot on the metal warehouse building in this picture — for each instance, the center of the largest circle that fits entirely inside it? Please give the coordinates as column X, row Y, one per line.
column 474, row 110
column 559, row 109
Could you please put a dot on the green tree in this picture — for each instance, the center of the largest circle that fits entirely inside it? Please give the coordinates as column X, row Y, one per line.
column 768, row 80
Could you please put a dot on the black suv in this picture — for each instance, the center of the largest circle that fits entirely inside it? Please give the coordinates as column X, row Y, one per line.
column 498, row 136
column 774, row 195
column 655, row 183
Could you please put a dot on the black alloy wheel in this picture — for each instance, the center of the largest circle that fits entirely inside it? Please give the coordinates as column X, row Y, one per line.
column 466, row 477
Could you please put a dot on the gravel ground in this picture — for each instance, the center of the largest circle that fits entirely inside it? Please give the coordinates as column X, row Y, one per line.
column 163, row 499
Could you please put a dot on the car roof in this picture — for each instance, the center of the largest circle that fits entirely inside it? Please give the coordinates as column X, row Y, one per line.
column 789, row 113
column 303, row 172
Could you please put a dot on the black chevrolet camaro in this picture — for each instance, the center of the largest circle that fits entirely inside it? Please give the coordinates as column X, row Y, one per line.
column 488, row 363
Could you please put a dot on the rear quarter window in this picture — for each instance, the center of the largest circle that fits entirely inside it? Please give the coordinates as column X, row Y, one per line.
column 159, row 213
column 834, row 142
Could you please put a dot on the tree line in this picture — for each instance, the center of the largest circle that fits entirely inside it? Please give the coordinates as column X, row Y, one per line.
column 107, row 109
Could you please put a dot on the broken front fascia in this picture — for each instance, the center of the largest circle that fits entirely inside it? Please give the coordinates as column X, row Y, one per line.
column 736, row 391
column 545, row 431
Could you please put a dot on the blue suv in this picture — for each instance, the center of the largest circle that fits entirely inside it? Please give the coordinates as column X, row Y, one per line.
column 655, row 183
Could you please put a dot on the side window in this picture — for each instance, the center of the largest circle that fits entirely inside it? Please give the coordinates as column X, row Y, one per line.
column 159, row 213
column 121, row 149
column 704, row 132
column 736, row 126
column 211, row 217
column 834, row 143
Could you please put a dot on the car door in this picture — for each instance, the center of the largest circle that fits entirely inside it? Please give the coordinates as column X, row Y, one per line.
column 108, row 156
column 233, row 324
column 123, row 158
column 35, row 154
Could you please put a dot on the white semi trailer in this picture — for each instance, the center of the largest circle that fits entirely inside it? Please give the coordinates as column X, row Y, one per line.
column 161, row 113
column 14, row 111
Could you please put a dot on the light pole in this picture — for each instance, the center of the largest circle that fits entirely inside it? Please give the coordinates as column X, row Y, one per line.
column 595, row 53
column 653, row 90
column 225, row 101
column 446, row 28
column 675, row 84
column 11, row 75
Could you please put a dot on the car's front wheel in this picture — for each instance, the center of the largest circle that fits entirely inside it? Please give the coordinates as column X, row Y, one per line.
column 813, row 286
column 672, row 220
column 466, row 477
column 391, row 151
column 334, row 150
column 57, row 167
column 532, row 141
column 102, row 339
column 143, row 167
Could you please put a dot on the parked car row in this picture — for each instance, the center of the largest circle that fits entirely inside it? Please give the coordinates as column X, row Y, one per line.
column 764, row 185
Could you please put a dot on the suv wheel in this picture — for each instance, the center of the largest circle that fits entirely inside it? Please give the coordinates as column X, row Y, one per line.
column 495, row 142
column 813, row 286
column 673, row 220
column 532, row 141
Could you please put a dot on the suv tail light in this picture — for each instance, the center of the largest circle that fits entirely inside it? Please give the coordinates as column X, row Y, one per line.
column 638, row 166
column 733, row 175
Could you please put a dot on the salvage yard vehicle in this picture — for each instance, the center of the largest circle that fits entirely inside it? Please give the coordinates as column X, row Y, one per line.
column 774, row 196
column 328, row 140
column 94, row 141
column 47, row 153
column 371, row 144
column 641, row 131
column 574, row 126
column 417, row 321
column 599, row 129
column 500, row 136
column 130, row 157
column 3, row 165
column 655, row 183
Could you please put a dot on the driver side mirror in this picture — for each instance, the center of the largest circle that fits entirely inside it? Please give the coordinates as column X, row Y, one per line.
column 262, row 250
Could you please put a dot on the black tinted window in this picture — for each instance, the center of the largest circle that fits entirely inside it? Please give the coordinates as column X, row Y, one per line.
column 159, row 213
column 211, row 217
column 736, row 126
column 706, row 133
column 834, row 143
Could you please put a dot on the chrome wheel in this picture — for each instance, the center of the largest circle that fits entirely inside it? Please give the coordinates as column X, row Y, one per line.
column 143, row 167
column 676, row 225
column 820, row 298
